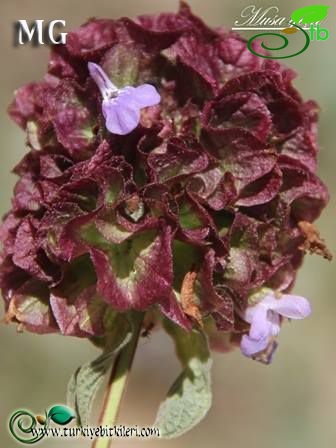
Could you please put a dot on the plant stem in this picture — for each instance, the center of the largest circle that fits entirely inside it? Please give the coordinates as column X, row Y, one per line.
column 118, row 382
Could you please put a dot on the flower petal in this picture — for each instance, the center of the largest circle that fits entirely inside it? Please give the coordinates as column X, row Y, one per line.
column 274, row 320
column 249, row 346
column 146, row 95
column 121, row 108
column 121, row 118
column 293, row 307
column 260, row 326
column 100, row 78
column 267, row 355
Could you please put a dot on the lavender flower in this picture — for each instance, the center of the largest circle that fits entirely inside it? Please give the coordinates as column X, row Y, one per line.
column 121, row 107
column 265, row 320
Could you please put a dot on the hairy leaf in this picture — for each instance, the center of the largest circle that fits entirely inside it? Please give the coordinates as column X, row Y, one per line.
column 85, row 382
column 189, row 398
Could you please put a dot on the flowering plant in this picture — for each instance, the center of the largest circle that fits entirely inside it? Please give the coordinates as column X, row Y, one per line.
column 171, row 178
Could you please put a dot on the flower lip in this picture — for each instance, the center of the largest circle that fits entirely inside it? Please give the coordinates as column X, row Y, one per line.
column 121, row 107
column 265, row 320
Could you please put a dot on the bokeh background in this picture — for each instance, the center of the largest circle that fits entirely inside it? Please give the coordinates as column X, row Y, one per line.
column 290, row 404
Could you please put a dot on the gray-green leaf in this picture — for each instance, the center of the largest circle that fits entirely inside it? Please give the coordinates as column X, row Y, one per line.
column 85, row 382
column 190, row 397
column 310, row 14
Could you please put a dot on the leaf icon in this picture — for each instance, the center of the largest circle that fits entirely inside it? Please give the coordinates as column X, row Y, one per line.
column 61, row 415
column 310, row 14
column 289, row 30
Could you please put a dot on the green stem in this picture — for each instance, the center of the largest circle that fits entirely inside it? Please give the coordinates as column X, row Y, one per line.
column 117, row 383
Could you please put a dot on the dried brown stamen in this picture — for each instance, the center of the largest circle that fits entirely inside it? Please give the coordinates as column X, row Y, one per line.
column 313, row 242
column 188, row 302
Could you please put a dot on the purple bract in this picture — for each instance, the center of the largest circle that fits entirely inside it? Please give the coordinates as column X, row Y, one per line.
column 186, row 207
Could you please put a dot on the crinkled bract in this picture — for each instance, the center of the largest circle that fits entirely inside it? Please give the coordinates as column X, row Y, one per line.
column 186, row 206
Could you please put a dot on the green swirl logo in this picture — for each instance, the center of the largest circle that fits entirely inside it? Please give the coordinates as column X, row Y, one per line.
column 306, row 15
column 23, row 424
column 284, row 45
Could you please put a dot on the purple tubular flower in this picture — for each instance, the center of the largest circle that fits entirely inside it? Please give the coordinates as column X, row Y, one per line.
column 265, row 320
column 121, row 107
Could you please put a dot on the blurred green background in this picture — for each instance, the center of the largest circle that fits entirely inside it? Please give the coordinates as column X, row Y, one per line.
column 289, row 404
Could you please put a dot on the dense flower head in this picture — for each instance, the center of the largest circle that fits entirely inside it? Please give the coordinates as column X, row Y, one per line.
column 202, row 200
